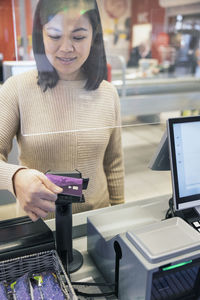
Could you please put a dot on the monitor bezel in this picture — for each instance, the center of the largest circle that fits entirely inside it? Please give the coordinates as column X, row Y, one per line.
column 191, row 201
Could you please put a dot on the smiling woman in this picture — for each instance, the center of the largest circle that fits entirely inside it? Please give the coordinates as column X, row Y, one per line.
column 67, row 41
column 65, row 115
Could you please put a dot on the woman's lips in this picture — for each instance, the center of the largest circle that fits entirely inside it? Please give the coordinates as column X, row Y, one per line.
column 66, row 60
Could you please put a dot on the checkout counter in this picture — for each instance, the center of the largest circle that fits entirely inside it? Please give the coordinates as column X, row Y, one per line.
column 129, row 252
column 129, row 248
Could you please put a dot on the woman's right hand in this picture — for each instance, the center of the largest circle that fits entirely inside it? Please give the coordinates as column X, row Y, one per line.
column 35, row 193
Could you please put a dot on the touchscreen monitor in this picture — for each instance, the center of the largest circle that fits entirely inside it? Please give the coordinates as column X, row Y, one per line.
column 184, row 153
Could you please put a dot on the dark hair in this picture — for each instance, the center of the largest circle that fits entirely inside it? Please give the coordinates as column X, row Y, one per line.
column 95, row 67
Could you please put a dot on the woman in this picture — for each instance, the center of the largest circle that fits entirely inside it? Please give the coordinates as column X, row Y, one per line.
column 65, row 115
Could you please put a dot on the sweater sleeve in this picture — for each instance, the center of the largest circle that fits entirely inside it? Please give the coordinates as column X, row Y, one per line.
column 113, row 159
column 9, row 125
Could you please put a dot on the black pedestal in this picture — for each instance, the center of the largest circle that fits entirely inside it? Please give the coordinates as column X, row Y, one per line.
column 71, row 259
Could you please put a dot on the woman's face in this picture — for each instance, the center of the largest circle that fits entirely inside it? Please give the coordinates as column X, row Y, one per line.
column 67, row 40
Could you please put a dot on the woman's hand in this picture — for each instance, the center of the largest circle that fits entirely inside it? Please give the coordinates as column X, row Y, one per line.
column 35, row 193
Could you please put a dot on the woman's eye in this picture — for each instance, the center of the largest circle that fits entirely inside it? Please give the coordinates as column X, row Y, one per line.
column 54, row 37
column 78, row 38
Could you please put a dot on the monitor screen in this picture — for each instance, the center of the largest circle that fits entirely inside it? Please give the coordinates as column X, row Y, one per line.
column 11, row 68
column 184, row 152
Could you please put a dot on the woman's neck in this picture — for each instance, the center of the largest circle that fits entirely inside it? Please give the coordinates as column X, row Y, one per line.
column 76, row 76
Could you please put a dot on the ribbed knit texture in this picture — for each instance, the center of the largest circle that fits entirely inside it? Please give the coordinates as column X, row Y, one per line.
column 64, row 129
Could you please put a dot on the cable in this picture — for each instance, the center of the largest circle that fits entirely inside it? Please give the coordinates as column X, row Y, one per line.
column 168, row 214
column 78, row 293
column 118, row 256
column 106, row 294
column 170, row 211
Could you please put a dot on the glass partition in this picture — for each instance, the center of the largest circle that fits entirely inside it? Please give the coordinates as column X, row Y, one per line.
column 153, row 60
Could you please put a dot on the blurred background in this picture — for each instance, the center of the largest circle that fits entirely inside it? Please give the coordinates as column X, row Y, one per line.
column 153, row 55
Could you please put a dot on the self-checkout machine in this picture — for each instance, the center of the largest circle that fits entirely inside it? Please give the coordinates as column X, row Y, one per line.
column 146, row 261
column 148, row 256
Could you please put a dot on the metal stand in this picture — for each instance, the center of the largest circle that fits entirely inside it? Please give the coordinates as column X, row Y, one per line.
column 71, row 258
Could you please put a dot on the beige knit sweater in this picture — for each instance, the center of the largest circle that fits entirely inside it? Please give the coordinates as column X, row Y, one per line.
column 64, row 129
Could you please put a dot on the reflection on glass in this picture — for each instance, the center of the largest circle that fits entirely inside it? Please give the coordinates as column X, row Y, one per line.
column 153, row 56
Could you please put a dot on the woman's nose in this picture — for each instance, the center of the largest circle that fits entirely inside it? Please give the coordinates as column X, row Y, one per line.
column 67, row 45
